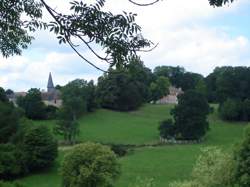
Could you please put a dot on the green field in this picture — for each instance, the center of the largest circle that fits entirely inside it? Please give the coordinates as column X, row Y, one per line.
column 164, row 164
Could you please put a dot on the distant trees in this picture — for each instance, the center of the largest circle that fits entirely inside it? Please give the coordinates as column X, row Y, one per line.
column 90, row 165
column 179, row 77
column 125, row 88
column 159, row 88
column 190, row 118
column 230, row 87
column 78, row 97
column 32, row 104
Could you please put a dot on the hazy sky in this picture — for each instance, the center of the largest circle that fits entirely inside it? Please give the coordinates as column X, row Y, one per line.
column 190, row 34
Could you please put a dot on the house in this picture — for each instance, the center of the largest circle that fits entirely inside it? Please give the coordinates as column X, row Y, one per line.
column 172, row 97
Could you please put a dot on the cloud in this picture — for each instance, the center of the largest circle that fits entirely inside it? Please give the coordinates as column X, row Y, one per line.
column 181, row 28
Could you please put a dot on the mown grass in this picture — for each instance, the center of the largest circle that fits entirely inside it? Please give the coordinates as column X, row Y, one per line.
column 164, row 164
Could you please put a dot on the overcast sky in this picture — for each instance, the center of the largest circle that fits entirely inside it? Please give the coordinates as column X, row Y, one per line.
column 190, row 34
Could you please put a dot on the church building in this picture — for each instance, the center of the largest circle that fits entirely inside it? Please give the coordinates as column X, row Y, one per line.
column 52, row 96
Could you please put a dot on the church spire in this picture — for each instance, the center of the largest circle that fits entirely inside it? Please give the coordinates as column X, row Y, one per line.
column 50, row 86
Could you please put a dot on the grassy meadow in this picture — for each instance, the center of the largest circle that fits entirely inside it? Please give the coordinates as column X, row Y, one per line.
column 164, row 164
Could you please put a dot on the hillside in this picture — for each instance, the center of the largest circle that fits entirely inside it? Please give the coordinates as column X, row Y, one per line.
column 164, row 164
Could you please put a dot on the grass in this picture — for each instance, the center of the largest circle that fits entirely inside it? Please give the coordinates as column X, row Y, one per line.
column 164, row 164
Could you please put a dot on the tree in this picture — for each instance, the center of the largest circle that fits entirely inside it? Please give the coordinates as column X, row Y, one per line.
column 90, row 165
column 39, row 148
column 167, row 129
column 3, row 96
column 10, row 162
column 190, row 115
column 126, row 87
column 78, row 96
column 9, row 119
column 32, row 104
column 214, row 168
column 119, row 35
column 242, row 159
column 230, row 110
column 159, row 88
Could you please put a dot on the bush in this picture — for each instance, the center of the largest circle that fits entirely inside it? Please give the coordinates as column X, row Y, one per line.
column 39, row 148
column 242, row 157
column 88, row 165
column 214, row 168
column 119, row 150
column 230, row 109
column 167, row 129
column 51, row 112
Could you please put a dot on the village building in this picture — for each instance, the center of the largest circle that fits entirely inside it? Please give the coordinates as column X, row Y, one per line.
column 172, row 97
column 50, row 97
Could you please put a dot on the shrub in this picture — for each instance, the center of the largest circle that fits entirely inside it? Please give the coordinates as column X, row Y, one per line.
column 10, row 162
column 230, row 109
column 89, row 165
column 214, row 168
column 242, row 157
column 119, row 150
column 167, row 129
column 39, row 147
column 51, row 112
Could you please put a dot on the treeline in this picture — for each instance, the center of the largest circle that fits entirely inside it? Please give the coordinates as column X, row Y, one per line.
column 230, row 87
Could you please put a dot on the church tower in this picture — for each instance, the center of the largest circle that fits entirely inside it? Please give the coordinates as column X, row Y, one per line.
column 50, row 86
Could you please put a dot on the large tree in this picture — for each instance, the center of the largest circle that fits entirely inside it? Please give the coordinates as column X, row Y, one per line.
column 119, row 35
column 32, row 104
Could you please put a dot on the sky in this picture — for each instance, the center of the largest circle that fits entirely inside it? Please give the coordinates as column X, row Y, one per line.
column 190, row 34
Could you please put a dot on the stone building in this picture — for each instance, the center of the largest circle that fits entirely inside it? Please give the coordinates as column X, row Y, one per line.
column 52, row 96
column 172, row 97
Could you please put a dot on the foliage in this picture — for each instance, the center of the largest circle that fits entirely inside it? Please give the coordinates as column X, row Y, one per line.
column 214, row 168
column 125, row 88
column 230, row 109
column 235, row 110
column 159, row 88
column 90, row 165
column 78, row 96
column 167, row 129
column 39, row 148
column 242, row 159
column 51, row 112
column 3, row 96
column 190, row 116
column 119, row 150
column 32, row 104
column 9, row 117
column 11, row 165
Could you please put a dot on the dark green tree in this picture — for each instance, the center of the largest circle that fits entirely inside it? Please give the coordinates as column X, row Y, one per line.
column 3, row 96
column 39, row 148
column 78, row 97
column 190, row 116
column 121, row 89
column 159, row 88
column 90, row 165
column 9, row 119
column 242, row 159
column 32, row 104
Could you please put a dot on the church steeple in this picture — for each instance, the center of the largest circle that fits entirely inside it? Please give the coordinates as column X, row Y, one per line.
column 50, row 86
